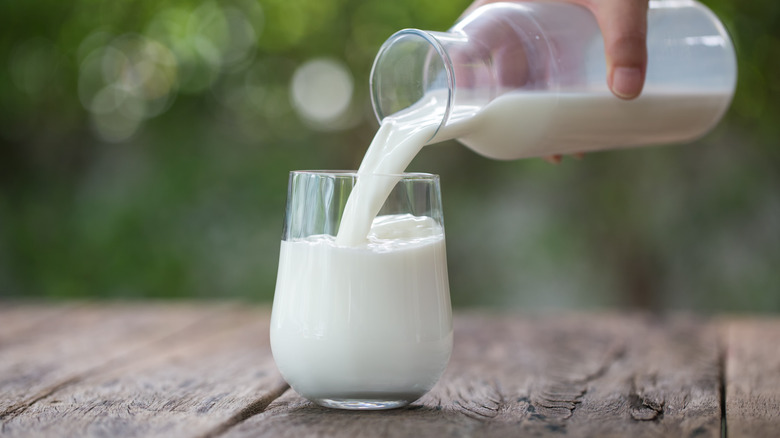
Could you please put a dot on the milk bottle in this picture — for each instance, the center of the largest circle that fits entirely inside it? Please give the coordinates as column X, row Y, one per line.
column 517, row 80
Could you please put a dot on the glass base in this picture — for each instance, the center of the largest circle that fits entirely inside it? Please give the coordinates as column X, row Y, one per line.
column 361, row 405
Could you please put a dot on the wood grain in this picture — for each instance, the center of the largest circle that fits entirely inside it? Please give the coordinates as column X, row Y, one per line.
column 193, row 384
column 19, row 321
column 66, row 350
column 563, row 376
column 752, row 364
column 205, row 371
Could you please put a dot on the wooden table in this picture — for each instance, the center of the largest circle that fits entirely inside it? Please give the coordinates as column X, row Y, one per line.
column 205, row 370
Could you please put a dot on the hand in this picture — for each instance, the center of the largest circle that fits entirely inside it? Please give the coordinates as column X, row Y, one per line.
column 623, row 25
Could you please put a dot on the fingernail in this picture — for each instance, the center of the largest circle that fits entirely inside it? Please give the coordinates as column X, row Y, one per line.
column 627, row 82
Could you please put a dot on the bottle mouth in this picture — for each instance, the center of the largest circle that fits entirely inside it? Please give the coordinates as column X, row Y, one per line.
column 410, row 67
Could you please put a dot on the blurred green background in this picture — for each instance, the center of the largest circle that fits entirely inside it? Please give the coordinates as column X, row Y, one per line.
column 145, row 146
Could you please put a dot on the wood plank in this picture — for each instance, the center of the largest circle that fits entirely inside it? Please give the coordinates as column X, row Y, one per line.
column 87, row 339
column 591, row 375
column 198, row 384
column 752, row 362
column 19, row 320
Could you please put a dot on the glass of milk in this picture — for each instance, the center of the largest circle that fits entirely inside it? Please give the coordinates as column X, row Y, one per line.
column 364, row 325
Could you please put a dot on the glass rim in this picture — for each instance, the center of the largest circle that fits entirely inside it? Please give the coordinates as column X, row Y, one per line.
column 354, row 173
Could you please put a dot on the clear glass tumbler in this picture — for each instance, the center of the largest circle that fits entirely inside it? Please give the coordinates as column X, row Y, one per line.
column 366, row 326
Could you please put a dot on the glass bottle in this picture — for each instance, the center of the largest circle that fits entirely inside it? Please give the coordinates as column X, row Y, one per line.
column 515, row 80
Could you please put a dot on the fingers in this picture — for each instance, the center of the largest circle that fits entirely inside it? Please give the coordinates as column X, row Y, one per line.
column 623, row 24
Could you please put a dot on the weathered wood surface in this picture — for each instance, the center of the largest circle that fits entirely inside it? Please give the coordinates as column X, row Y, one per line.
column 188, row 370
column 70, row 346
column 568, row 376
column 752, row 363
column 150, row 372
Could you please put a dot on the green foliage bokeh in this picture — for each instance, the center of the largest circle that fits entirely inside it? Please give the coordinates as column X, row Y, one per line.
column 191, row 204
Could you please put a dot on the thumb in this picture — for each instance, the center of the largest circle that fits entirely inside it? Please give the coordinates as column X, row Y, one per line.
column 623, row 24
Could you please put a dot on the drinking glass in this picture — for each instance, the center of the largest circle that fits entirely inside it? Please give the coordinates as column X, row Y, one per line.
column 364, row 326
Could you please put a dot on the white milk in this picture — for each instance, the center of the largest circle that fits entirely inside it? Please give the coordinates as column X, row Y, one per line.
column 370, row 322
column 395, row 144
column 527, row 124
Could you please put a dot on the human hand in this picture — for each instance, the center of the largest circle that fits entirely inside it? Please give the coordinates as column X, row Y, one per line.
column 623, row 24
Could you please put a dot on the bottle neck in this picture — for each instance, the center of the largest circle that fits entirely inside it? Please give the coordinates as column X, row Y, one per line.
column 436, row 73
column 497, row 48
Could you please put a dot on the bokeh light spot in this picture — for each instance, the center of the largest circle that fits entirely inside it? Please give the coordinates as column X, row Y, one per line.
column 206, row 40
column 130, row 79
column 116, row 114
column 321, row 92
